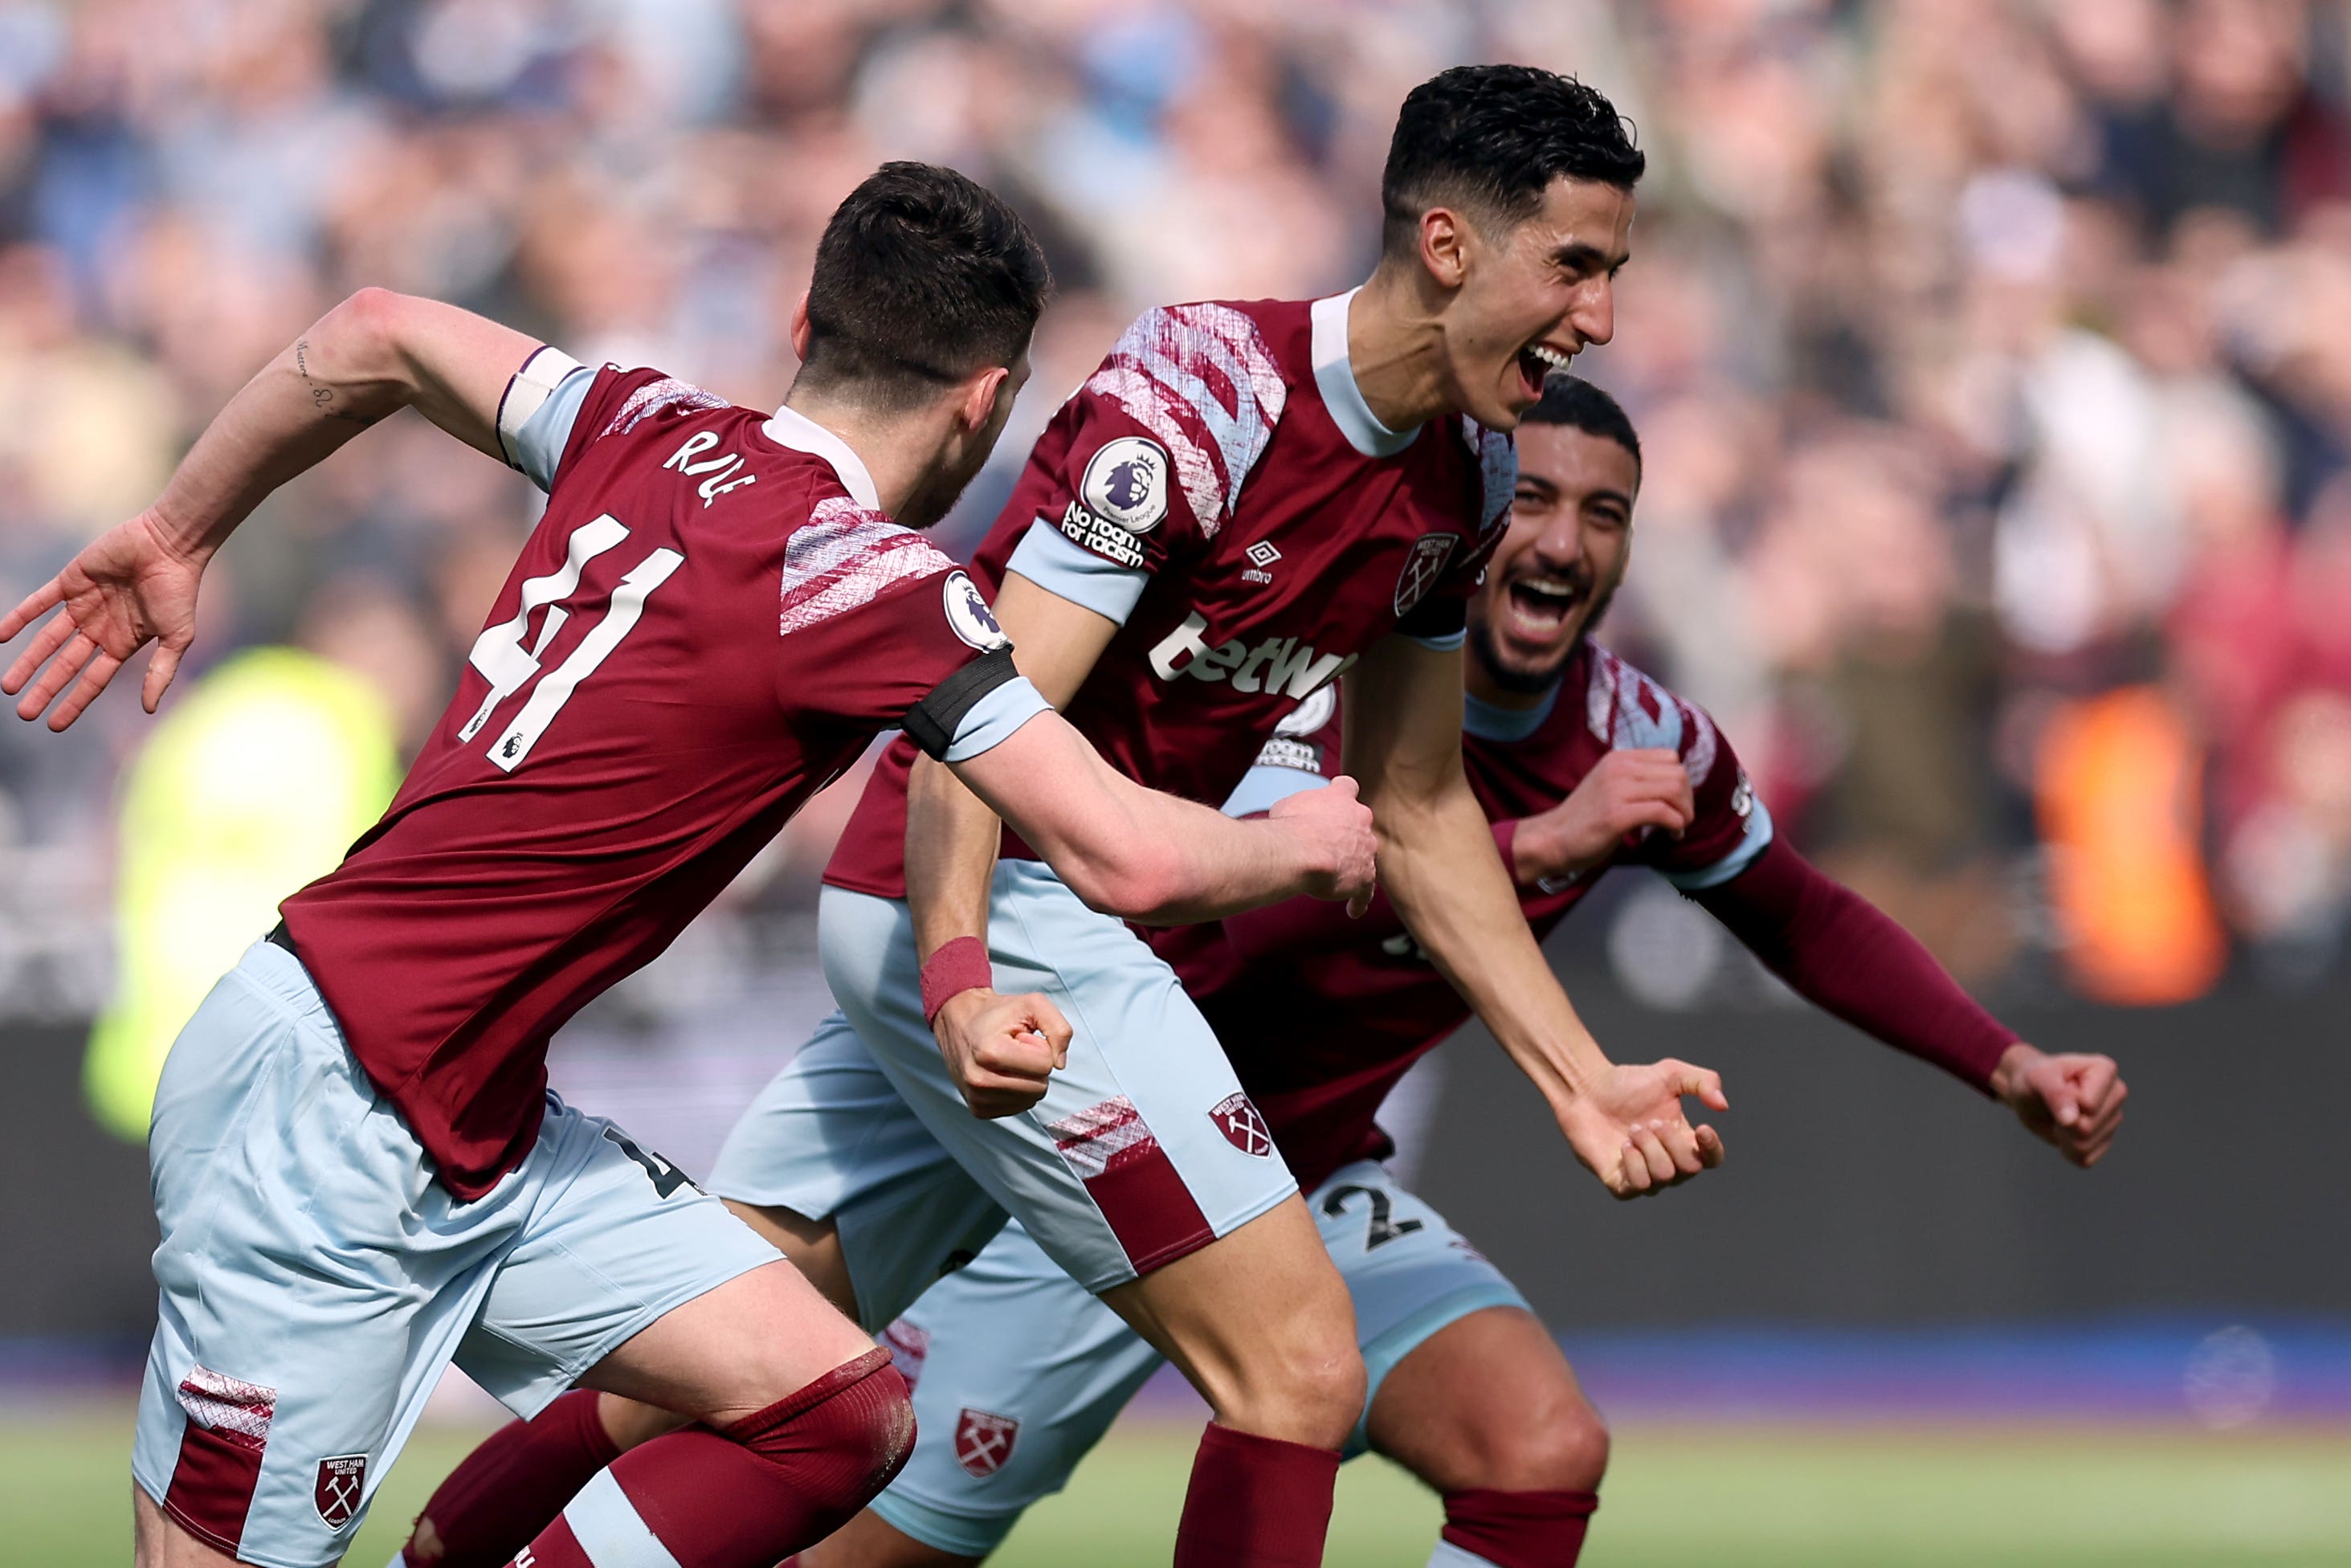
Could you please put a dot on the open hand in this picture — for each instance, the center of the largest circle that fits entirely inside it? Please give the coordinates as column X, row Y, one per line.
column 1627, row 1126
column 1001, row 1050
column 1335, row 828
column 1624, row 793
column 127, row 587
column 2073, row 1102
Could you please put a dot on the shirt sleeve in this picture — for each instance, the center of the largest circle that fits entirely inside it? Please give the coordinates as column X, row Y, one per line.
column 1057, row 563
column 1439, row 620
column 975, row 709
column 556, row 408
column 1732, row 827
column 542, row 403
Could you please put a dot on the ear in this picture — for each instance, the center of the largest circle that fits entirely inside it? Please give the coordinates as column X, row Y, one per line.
column 1444, row 243
column 976, row 407
column 801, row 326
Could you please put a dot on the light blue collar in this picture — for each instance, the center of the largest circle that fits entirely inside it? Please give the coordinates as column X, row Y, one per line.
column 1488, row 722
column 1335, row 374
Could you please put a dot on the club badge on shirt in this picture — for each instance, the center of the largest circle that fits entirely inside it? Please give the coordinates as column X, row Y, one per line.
column 1422, row 568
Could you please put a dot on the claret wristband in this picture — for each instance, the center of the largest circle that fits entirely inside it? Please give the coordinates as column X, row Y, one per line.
column 958, row 967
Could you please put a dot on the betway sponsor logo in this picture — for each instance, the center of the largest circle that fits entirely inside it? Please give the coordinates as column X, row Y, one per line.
column 1276, row 666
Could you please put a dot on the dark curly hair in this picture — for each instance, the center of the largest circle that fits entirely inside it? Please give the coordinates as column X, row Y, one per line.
column 1490, row 139
column 1575, row 402
column 921, row 277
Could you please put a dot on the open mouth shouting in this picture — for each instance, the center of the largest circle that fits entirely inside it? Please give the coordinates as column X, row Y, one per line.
column 1538, row 607
column 1537, row 361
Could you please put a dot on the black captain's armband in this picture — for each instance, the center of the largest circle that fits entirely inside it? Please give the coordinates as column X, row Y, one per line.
column 1435, row 617
column 932, row 723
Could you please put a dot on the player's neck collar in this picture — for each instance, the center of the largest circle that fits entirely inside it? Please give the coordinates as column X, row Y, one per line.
column 796, row 430
column 1335, row 376
column 1489, row 721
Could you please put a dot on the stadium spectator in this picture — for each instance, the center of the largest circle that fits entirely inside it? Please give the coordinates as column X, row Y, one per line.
column 2032, row 310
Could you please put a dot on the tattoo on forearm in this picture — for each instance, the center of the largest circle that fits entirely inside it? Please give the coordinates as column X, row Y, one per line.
column 322, row 397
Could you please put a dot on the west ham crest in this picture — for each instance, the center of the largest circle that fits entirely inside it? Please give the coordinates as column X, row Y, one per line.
column 983, row 1442
column 339, row 1485
column 1237, row 1118
column 1422, row 568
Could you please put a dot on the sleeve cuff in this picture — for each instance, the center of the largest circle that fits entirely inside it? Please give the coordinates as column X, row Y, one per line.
column 536, row 416
column 1262, row 789
column 990, row 721
column 1049, row 559
column 1441, row 642
column 1753, row 842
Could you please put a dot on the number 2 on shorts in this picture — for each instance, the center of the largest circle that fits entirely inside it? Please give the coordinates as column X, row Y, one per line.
column 507, row 666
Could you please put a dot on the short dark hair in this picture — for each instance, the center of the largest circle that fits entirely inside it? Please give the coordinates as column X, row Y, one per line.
column 922, row 277
column 1490, row 139
column 1575, row 402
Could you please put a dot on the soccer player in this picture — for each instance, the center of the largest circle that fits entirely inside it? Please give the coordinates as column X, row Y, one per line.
column 1245, row 504
column 1583, row 763
column 358, row 1172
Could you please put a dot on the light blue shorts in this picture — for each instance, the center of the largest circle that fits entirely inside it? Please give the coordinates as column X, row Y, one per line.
column 313, row 1278
column 1017, row 1373
column 1142, row 1151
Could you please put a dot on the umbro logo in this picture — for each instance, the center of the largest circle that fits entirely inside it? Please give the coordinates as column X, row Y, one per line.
column 1261, row 555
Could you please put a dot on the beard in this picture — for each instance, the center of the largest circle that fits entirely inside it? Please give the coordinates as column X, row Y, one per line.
column 1530, row 678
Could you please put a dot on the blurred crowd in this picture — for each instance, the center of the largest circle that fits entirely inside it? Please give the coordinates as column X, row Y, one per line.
column 1992, row 359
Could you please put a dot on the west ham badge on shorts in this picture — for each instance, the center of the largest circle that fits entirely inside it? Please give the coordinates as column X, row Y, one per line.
column 983, row 1441
column 1239, row 1119
column 340, row 1482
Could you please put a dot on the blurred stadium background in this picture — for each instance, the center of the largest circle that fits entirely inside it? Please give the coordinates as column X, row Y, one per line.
column 1993, row 360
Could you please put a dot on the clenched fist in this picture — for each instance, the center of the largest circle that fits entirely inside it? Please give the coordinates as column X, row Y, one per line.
column 1334, row 829
column 1646, row 787
column 1001, row 1050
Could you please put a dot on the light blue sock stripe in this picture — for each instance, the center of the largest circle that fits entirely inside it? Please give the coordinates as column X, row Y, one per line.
column 609, row 1531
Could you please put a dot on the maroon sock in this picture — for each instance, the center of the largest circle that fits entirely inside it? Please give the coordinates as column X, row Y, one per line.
column 506, row 1490
column 746, row 1495
column 1520, row 1528
column 1255, row 1502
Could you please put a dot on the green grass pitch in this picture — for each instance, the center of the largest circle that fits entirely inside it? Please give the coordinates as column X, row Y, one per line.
column 1705, row 1497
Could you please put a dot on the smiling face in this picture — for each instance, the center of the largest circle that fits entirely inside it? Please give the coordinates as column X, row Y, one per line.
column 1570, row 540
column 1530, row 296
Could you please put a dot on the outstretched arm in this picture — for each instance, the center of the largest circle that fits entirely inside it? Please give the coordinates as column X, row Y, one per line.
column 1437, row 863
column 1847, row 956
column 371, row 355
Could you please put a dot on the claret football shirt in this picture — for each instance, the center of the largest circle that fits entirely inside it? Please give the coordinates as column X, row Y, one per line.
column 710, row 623
column 1322, row 1015
column 1220, row 490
